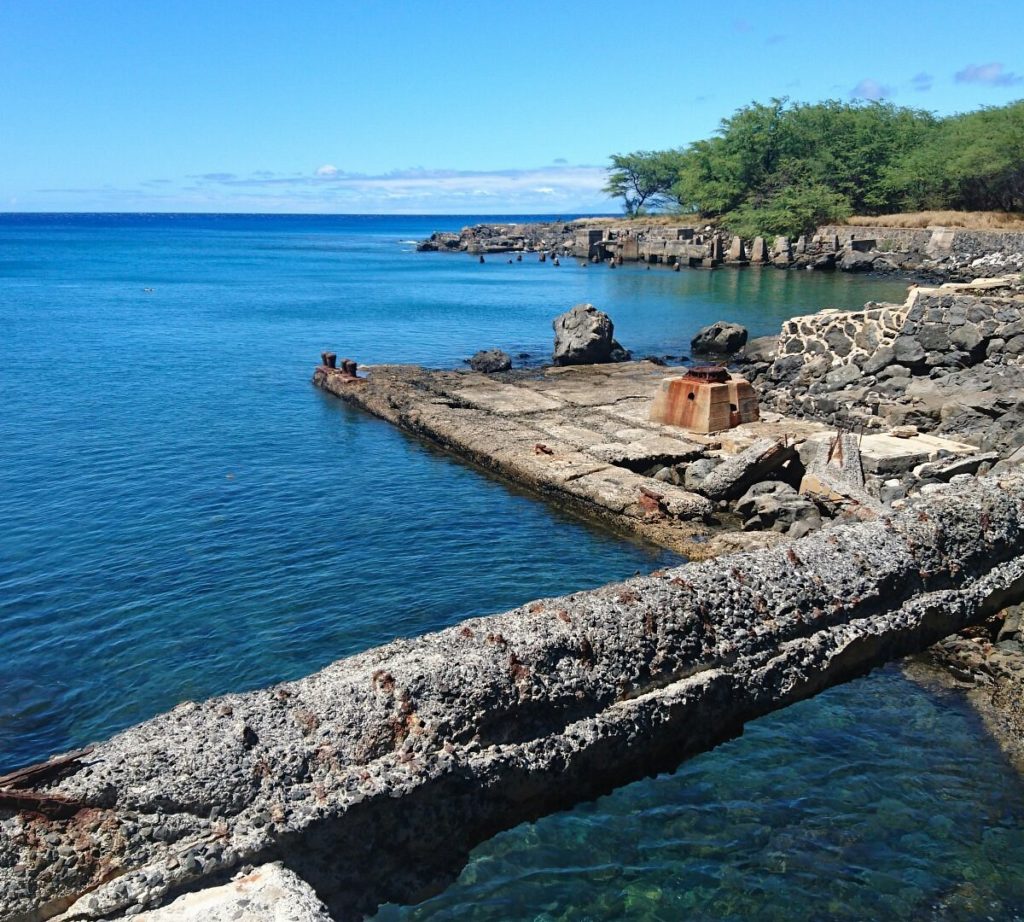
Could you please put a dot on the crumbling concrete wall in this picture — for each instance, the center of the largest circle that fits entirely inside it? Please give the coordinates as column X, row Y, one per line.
column 374, row 778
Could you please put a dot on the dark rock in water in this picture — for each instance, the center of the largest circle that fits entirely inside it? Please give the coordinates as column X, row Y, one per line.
column 584, row 336
column 721, row 338
column 490, row 360
column 654, row 359
column 523, row 355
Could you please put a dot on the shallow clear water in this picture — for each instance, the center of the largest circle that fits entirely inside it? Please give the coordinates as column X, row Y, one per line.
column 182, row 514
column 875, row 800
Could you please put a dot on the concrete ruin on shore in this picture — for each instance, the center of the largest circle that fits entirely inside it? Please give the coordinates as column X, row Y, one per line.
column 940, row 252
column 372, row 779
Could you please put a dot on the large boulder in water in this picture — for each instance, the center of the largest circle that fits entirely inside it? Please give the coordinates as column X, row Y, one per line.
column 721, row 338
column 584, row 336
column 490, row 360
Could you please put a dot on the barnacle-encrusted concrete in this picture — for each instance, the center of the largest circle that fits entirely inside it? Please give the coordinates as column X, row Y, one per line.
column 579, row 435
column 374, row 778
column 270, row 893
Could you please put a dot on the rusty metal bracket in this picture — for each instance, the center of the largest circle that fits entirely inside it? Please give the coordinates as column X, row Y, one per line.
column 16, row 794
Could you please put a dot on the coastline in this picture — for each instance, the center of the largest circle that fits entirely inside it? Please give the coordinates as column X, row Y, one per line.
column 933, row 253
column 987, row 663
column 182, row 717
column 372, row 778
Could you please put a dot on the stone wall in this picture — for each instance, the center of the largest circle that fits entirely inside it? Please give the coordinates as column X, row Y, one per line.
column 950, row 252
column 955, row 330
column 896, row 238
column 924, row 239
column 950, row 361
column 833, row 339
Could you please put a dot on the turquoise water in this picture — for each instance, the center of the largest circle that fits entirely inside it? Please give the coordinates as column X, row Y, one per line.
column 183, row 514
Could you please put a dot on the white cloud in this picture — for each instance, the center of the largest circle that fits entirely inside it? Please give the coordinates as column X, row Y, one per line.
column 541, row 190
column 871, row 89
column 991, row 73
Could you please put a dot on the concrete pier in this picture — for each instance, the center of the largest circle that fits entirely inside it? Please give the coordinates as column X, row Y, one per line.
column 372, row 779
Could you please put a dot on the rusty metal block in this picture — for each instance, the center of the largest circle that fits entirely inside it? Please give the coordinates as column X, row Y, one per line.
column 706, row 399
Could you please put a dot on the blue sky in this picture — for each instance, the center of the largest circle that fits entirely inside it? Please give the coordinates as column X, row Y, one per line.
column 436, row 107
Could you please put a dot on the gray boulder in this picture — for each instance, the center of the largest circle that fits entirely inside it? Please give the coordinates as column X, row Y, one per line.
column 841, row 376
column 762, row 349
column 721, row 338
column 695, row 473
column 584, row 336
column 854, row 261
column 879, row 359
column 908, row 351
column 490, row 360
column 776, row 506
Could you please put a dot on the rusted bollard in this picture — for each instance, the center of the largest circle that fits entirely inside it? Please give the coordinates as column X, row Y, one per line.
column 348, row 368
column 329, row 359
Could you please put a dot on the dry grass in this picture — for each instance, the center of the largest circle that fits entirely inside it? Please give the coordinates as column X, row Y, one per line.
column 972, row 220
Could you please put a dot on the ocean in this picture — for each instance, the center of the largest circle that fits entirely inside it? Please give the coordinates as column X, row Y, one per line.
column 183, row 514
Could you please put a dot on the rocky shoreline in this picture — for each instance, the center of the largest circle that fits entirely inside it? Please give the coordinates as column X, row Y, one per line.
column 876, row 534
column 918, row 396
column 372, row 779
column 937, row 253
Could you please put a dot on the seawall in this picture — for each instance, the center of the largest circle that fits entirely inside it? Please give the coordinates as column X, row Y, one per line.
column 935, row 252
column 373, row 778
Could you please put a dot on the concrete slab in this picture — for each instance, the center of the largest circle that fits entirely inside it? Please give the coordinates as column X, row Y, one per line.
column 562, row 433
column 271, row 893
column 504, row 398
column 883, row 453
column 583, row 434
column 649, row 451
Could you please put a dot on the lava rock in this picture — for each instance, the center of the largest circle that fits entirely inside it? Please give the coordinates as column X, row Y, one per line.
column 776, row 506
column 585, row 336
column 721, row 338
column 695, row 473
column 490, row 360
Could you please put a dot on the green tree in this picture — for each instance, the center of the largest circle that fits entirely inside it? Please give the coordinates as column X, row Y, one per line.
column 642, row 179
column 781, row 168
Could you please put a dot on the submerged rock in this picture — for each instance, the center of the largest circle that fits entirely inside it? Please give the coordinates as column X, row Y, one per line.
column 490, row 360
column 585, row 336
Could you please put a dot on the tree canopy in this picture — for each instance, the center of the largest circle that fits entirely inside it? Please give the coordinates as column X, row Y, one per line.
column 783, row 168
